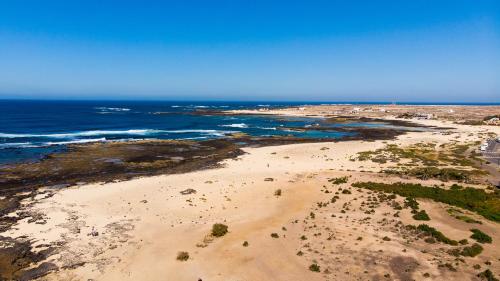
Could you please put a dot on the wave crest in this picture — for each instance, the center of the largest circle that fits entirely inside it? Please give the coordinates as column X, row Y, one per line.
column 134, row 132
column 236, row 125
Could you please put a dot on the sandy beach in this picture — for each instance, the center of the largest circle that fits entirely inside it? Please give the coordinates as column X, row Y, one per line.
column 134, row 230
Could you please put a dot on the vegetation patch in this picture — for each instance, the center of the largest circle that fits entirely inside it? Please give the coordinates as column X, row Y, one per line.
column 410, row 202
column 219, row 230
column 468, row 251
column 442, row 174
column 426, row 161
column 472, row 251
column 418, row 153
column 182, row 256
column 487, row 204
column 480, row 236
column 421, row 216
column 314, row 267
column 434, row 233
column 487, row 275
column 459, row 215
column 339, row 180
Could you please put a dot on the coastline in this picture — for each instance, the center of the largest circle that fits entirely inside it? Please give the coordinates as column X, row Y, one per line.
column 145, row 221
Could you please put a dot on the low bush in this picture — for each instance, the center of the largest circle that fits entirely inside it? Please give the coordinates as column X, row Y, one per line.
column 314, row 267
column 339, row 180
column 472, row 251
column 410, row 202
column 421, row 216
column 182, row 256
column 487, row 275
column 480, row 236
column 443, row 174
column 438, row 235
column 487, row 204
column 219, row 230
column 460, row 216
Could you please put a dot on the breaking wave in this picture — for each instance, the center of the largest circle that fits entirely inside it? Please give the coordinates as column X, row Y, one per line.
column 238, row 125
column 93, row 133
column 73, row 141
column 117, row 109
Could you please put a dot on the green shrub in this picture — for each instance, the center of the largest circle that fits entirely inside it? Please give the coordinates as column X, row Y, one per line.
column 472, row 251
column 339, row 180
column 476, row 200
column 274, row 235
column 411, row 203
column 421, row 216
column 480, row 236
column 277, row 192
column 456, row 213
column 182, row 256
column 245, row 244
column 314, row 267
column 439, row 236
column 487, row 275
column 443, row 174
column 219, row 230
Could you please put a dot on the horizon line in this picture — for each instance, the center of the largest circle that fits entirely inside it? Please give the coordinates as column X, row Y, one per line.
column 326, row 102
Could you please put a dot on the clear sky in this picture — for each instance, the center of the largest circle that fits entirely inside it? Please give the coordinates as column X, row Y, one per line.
column 443, row 51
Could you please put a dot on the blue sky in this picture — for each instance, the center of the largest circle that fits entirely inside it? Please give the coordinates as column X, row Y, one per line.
column 251, row 50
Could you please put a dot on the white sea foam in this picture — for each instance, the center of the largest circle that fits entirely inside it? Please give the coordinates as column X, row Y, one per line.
column 195, row 138
column 17, row 145
column 267, row 128
column 132, row 132
column 112, row 108
column 81, row 134
column 199, row 131
column 74, row 141
column 237, row 125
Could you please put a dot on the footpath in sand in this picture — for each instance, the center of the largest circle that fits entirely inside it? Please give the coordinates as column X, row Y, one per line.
column 140, row 225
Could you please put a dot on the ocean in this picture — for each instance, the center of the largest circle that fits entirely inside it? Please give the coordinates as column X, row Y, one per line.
column 29, row 129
